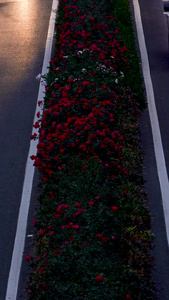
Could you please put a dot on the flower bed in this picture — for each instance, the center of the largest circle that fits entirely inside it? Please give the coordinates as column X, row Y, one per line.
column 93, row 226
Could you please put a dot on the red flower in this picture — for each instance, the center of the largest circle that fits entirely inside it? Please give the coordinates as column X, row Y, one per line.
column 99, row 278
column 114, row 208
column 75, row 226
column 128, row 296
column 49, row 227
column 38, row 114
column 32, row 157
column 84, row 167
column 45, row 179
column 86, row 83
column 66, row 205
column 83, row 147
column 70, row 80
column 33, row 136
column 116, row 31
column 104, row 239
column 28, row 258
column 41, row 232
column 59, row 209
column 56, row 216
column 78, row 205
column 72, row 236
column 36, row 125
column 34, row 222
column 50, row 172
column 44, row 286
column 91, row 203
column 41, row 269
column 39, row 102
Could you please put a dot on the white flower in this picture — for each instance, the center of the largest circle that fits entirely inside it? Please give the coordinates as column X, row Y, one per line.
column 116, row 80
column 79, row 52
column 38, row 77
column 43, row 83
column 84, row 70
column 103, row 66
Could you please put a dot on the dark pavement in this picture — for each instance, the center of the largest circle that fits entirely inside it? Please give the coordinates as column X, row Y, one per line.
column 23, row 32
column 156, row 38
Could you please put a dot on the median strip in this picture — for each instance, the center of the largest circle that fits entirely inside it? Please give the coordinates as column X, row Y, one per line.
column 93, row 236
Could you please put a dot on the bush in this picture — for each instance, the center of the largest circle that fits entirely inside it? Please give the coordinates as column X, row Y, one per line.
column 93, row 226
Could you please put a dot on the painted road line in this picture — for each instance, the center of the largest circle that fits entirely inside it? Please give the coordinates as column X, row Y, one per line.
column 13, row 279
column 158, row 148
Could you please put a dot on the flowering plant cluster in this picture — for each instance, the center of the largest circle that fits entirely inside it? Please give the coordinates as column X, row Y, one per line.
column 93, row 236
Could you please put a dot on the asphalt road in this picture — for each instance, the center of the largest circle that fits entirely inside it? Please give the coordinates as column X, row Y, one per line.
column 156, row 38
column 23, row 32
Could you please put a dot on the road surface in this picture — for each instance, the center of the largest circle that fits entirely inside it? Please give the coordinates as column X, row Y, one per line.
column 23, row 32
column 156, row 40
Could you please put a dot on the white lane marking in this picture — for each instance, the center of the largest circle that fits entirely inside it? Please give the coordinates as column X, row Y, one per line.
column 13, row 279
column 158, row 148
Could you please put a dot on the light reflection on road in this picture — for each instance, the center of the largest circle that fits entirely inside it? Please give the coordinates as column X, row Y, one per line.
column 17, row 38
